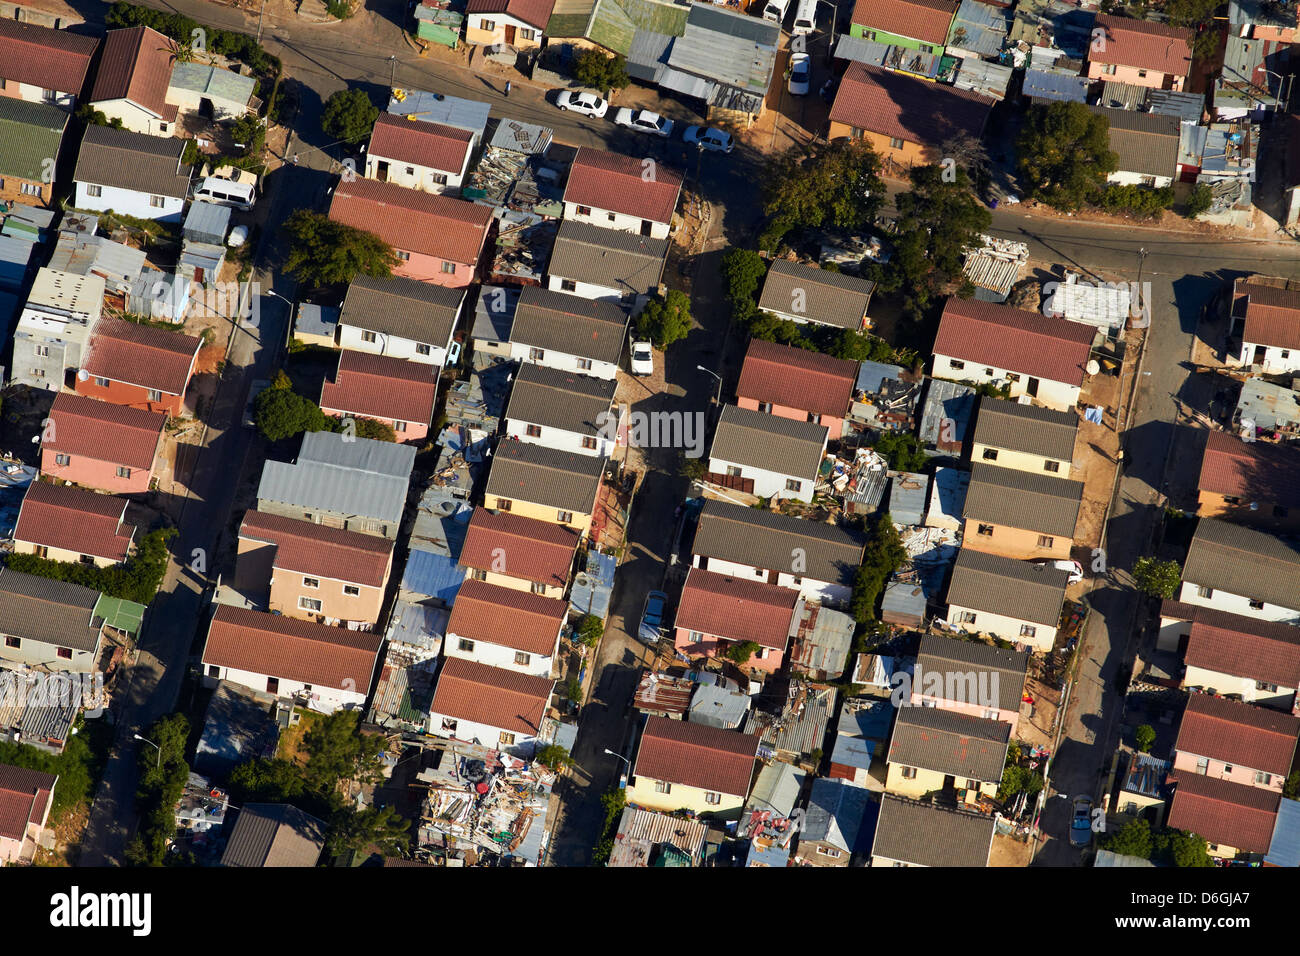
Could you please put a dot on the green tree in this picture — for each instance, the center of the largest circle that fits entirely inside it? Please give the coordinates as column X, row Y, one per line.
column 742, row 271
column 573, row 690
column 267, row 781
column 1199, row 201
column 838, row 186
column 280, row 413
column 1291, row 789
column 594, row 68
column 162, row 776
column 337, row 751
column 902, row 451
column 137, row 580
column 380, row 827
column 1185, row 849
column 1199, row 16
column 612, row 801
column 251, row 132
column 1144, row 737
column 348, row 116
column 553, row 756
column 590, row 630
column 1157, row 578
column 741, row 651
column 1132, row 839
column 1135, row 200
column 665, row 320
column 325, row 252
column 882, row 557
column 1064, row 154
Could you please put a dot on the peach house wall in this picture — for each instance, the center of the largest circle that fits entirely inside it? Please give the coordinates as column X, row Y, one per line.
column 834, row 425
column 415, row 431
column 1244, row 775
column 132, row 396
column 713, row 646
column 95, row 474
column 425, row 268
column 1154, row 79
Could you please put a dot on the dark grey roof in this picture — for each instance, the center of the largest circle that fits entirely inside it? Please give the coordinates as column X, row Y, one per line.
column 1145, row 142
column 835, row 814
column 926, row 835
column 569, row 324
column 560, row 399
column 420, row 311
column 1053, row 86
column 274, row 834
column 543, row 476
column 764, row 539
column 770, row 442
column 207, row 222
column 1026, row 428
column 1187, row 106
column 831, row 298
column 49, row 611
column 946, row 654
column 1243, row 561
column 950, row 743
column 608, row 258
column 1016, row 498
column 30, row 136
column 1016, row 589
column 147, row 164
column 494, row 313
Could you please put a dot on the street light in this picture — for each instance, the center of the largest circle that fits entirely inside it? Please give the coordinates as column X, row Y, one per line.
column 830, row 37
column 718, row 400
column 153, row 745
column 623, row 781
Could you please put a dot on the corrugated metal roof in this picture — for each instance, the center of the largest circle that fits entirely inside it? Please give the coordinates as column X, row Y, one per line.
column 795, row 730
column 592, row 588
column 980, row 76
column 430, row 107
column 207, row 222
column 418, row 624
column 715, row 706
column 903, row 603
column 647, row 58
column 212, row 81
column 727, row 48
column 521, row 137
column 434, row 575
column 358, row 477
column 908, row 494
column 685, row 83
column 777, row 788
column 1186, row 106
column 984, row 26
column 836, row 814
column 1284, row 849
column 946, row 400
column 1052, row 86
column 858, row 50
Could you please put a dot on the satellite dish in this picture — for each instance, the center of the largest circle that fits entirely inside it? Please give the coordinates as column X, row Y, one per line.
column 1254, row 506
column 1093, row 367
column 82, row 375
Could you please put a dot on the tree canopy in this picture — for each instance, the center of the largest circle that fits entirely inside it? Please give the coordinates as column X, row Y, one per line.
column 325, row 252
column 838, row 186
column 1157, row 578
column 349, row 116
column 598, row 70
column 884, row 553
column 742, row 271
column 1064, row 154
column 137, row 580
column 665, row 320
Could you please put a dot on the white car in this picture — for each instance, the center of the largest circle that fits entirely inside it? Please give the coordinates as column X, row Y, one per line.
column 1073, row 568
column 238, row 236
column 643, row 358
column 588, row 104
column 800, row 74
column 644, row 121
column 706, row 137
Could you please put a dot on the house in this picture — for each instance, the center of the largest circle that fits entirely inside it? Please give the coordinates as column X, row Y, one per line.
column 765, row 455
column 933, row 750
column 835, row 826
column 1020, row 515
column 559, row 487
column 718, row 706
column 620, row 192
column 50, row 624
column 357, row 485
column 417, row 155
column 132, row 79
column 797, row 384
column 562, row 410
column 605, row 264
column 907, row 121
column 30, row 137
column 516, row 23
column 64, row 523
column 25, row 800
column 648, row 839
column 821, row 639
column 210, row 92
column 1254, row 483
column 401, row 318
column 716, row 612
column 1014, row 600
column 42, row 65
column 1242, row 571
column 1252, row 80
column 806, row 293
column 1025, row 438
column 1268, row 310
column 911, row 24
column 814, row 558
column 311, row 571
column 327, row 668
column 1140, row 52
column 437, row 239
column 98, row 445
column 426, row 107
column 567, row 332
column 505, row 628
column 1044, row 358
column 680, row 765
column 55, row 326
column 1231, row 654
column 399, row 393
column 82, row 253
column 125, row 172
column 1145, row 144
column 1235, row 820
column 967, row 677
column 138, row 366
column 861, row 738
column 1230, row 740
column 909, row 833
column 511, row 551
column 490, row 706
column 274, row 834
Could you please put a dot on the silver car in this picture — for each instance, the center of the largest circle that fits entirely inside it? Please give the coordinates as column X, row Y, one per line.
column 644, row 121
column 706, row 137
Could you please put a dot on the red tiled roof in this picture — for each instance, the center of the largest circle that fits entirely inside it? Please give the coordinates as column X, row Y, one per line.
column 23, row 794
column 902, row 107
column 1238, row 733
column 536, row 12
column 515, row 619
column 420, row 143
column 736, row 609
column 104, row 432
column 611, row 181
column 514, row 702
column 797, row 378
column 1239, row 646
column 74, row 519
column 520, row 547
column 136, row 65
column 141, row 355
column 315, row 549
column 693, row 755
column 380, row 386
column 290, row 649
column 39, row 56
column 1272, row 313
column 1223, row 812
column 1013, row 339
column 1252, row 471
column 414, row 221
column 1142, row 44
column 926, row 20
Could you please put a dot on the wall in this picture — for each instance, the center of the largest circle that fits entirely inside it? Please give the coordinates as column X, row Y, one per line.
column 1276, row 360
column 1007, row 628
column 59, row 554
column 130, row 202
column 38, row 371
column 415, row 176
column 326, row 700
column 927, row 781
column 908, row 154
column 1281, row 699
column 580, row 523
column 413, row 431
column 1213, row 505
column 189, row 101
column 564, row 361
column 135, row 118
column 498, row 655
column 1057, row 395
column 133, row 396
column 519, row 584
column 11, row 190
column 1153, row 79
column 330, row 519
column 350, row 337
column 972, row 709
column 1218, row 770
column 598, row 293
column 802, row 318
column 641, row 791
column 1237, row 604
column 95, row 474
column 424, row 268
column 809, row 589
column 834, row 425
column 287, row 587
column 767, row 659
column 808, row 851
column 485, row 734
column 559, row 439
column 1013, row 542
column 36, row 652
column 620, row 222
column 767, row 484
column 1020, row 461
column 35, row 94
column 524, row 36
column 1125, row 178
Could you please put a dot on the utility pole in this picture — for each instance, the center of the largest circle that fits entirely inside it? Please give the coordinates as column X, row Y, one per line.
column 392, row 75
column 261, row 10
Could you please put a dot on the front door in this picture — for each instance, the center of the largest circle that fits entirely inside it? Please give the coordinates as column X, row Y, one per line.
column 645, row 227
column 1032, row 387
column 381, row 170
column 510, row 35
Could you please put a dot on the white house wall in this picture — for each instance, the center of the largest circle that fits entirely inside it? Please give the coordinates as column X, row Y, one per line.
column 559, row 439
column 1057, row 395
column 326, row 700
column 130, row 202
column 1007, row 628
column 767, row 484
column 809, row 589
column 423, row 178
column 392, row 345
column 621, row 222
column 1238, row 604
column 1276, row 360
column 564, row 361
column 498, row 655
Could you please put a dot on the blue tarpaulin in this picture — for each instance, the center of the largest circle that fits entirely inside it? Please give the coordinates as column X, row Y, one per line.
column 592, row 588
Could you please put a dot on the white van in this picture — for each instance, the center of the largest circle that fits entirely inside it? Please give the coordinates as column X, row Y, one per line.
column 775, row 10
column 226, row 193
column 805, row 18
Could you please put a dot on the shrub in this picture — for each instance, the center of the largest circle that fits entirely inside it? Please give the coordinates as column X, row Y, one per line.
column 1199, row 200
column 137, row 580
column 595, row 69
column 553, row 756
column 1157, row 578
column 665, row 321
column 1144, row 737
column 1141, row 201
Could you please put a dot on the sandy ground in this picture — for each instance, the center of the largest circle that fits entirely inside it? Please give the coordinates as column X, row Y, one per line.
column 1008, row 851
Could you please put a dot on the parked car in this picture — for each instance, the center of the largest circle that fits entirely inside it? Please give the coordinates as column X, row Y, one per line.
column 1081, row 822
column 1073, row 568
column 800, row 74
column 706, row 137
column 238, row 236
column 643, row 358
column 453, row 356
column 588, row 104
column 644, row 121
column 652, row 618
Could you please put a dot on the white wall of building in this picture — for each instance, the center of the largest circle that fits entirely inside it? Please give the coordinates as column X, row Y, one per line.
column 1276, row 360
column 1057, row 395
column 564, row 361
column 1007, row 628
column 1225, row 684
column 1238, row 604
column 352, row 337
column 622, row 222
column 767, row 484
column 135, row 118
column 130, row 202
column 809, row 589
column 498, row 655
column 36, row 94
column 485, row 734
column 598, row 293
column 1123, row 178
column 429, row 179
column 326, row 700
column 558, row 438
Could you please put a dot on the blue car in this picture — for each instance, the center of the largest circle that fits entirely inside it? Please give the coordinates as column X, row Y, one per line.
column 652, row 618
column 1081, row 822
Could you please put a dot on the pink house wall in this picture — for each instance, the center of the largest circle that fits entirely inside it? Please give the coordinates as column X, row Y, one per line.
column 712, row 646
column 1244, row 775
column 415, row 431
column 95, row 474
column 834, row 425
column 425, row 268
column 1011, row 717
column 1154, row 79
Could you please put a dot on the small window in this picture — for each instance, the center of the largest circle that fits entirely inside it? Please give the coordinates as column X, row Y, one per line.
column 507, row 739
column 1052, row 466
column 564, row 517
column 1257, row 605
column 792, row 485
column 32, row 189
column 1204, row 592
column 584, row 364
column 488, row 25
column 733, row 471
column 438, row 179
column 403, row 256
column 466, row 646
column 410, row 170
column 536, row 355
column 1263, row 779
column 1045, row 541
column 1012, row 377
column 972, row 784
column 351, row 590
column 368, row 337
column 503, row 504
column 123, row 471
column 448, row 725
column 13, row 642
column 155, row 395
column 611, row 216
column 537, row 588
column 41, row 350
column 990, row 454
column 584, row 210
column 214, row 670
column 87, row 559
column 477, row 574
column 909, row 773
column 522, row 659
column 156, row 202
column 966, row 617
column 309, row 604
column 526, row 34
column 1142, row 74
column 423, row 349
column 1262, row 685
column 568, row 285
column 1227, row 768
column 311, row 582
column 533, row 431
column 985, row 529
column 711, row 798
column 696, row 637
column 65, row 653
column 62, row 460
column 588, row 442
column 662, row 786
column 1286, row 353
column 1028, row 630
column 399, row 427
column 95, row 191
column 988, row 373
column 895, row 143
column 954, row 364
column 101, row 382
column 449, row 268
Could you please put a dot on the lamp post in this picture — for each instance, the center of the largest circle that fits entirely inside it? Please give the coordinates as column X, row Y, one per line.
column 830, row 37
column 614, row 753
column 718, row 398
column 146, row 740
